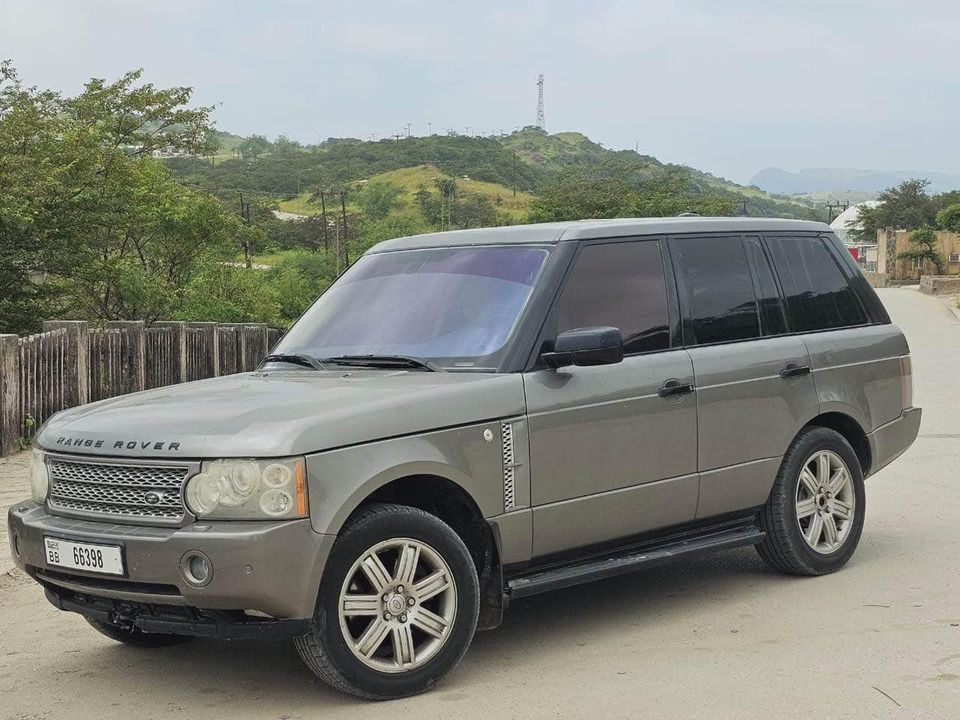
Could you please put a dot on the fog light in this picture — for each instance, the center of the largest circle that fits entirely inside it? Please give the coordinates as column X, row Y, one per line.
column 15, row 544
column 196, row 568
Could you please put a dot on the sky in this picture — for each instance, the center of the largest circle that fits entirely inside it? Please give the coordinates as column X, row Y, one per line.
column 726, row 86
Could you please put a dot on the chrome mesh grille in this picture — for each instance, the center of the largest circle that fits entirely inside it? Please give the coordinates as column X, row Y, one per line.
column 506, row 439
column 100, row 489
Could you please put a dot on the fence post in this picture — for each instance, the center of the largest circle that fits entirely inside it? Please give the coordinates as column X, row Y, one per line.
column 133, row 353
column 251, row 345
column 179, row 332
column 9, row 395
column 76, row 379
column 211, row 342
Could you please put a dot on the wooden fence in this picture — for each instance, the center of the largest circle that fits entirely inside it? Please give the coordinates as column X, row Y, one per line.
column 70, row 364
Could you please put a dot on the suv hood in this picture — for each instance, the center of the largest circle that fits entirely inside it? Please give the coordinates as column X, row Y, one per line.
column 281, row 413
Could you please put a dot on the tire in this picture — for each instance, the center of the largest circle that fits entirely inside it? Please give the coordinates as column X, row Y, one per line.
column 136, row 636
column 791, row 513
column 336, row 645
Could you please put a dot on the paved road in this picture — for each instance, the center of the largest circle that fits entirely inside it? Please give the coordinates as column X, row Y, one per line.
column 720, row 637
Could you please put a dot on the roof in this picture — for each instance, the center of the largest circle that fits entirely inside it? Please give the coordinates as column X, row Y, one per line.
column 552, row 233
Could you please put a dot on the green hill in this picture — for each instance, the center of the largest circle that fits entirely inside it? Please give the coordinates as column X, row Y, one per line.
column 560, row 151
column 526, row 161
column 511, row 206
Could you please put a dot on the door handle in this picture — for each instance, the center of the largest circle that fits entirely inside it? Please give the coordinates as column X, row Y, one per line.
column 674, row 387
column 791, row 369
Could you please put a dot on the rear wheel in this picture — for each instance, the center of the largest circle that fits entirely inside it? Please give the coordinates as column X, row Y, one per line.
column 398, row 605
column 136, row 637
column 814, row 516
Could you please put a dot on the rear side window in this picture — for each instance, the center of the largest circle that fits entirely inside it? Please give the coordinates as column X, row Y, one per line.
column 716, row 290
column 817, row 293
column 772, row 321
column 621, row 285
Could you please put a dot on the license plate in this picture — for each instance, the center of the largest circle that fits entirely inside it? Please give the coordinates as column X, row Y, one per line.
column 105, row 559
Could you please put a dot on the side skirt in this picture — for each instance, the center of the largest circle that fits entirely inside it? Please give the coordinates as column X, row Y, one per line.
column 637, row 557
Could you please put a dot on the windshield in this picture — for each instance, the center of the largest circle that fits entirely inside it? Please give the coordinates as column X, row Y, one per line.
column 454, row 306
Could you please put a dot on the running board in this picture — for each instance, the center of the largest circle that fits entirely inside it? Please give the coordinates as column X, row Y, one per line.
column 630, row 561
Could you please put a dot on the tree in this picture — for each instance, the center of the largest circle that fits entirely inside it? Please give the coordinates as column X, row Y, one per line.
column 254, row 146
column 624, row 188
column 298, row 279
column 905, row 207
column 92, row 225
column 582, row 192
column 285, row 145
column 378, row 198
column 924, row 242
column 949, row 218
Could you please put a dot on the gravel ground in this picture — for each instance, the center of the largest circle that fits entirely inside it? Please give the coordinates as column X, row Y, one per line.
column 719, row 637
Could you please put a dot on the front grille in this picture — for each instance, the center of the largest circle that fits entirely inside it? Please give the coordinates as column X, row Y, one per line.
column 138, row 492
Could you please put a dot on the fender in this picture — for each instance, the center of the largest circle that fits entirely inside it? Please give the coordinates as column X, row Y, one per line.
column 339, row 480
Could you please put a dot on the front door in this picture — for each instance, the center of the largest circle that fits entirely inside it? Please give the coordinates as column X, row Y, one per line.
column 609, row 456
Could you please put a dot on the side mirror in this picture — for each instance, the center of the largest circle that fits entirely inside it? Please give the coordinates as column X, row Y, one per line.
column 586, row 346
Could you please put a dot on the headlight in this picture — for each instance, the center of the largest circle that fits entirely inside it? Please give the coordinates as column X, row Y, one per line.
column 39, row 480
column 249, row 490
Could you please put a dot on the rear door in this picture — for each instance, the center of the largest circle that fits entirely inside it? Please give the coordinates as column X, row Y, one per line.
column 610, row 457
column 754, row 387
column 854, row 350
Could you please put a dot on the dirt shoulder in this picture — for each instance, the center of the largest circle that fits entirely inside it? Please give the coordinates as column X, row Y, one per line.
column 14, row 487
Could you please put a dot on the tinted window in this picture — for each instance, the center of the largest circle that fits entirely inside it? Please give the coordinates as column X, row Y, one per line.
column 620, row 285
column 716, row 290
column 456, row 306
column 771, row 312
column 817, row 293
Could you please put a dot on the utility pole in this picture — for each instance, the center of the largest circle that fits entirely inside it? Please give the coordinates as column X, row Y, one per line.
column 408, row 129
column 245, row 242
column 323, row 214
column 841, row 206
column 514, row 174
column 346, row 248
column 336, row 249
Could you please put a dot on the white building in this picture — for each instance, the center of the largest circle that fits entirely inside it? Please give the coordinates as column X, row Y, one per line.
column 849, row 219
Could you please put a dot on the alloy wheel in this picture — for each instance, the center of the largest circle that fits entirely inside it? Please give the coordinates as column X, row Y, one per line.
column 825, row 501
column 397, row 605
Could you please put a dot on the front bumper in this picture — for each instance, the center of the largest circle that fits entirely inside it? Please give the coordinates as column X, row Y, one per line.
column 273, row 568
column 891, row 440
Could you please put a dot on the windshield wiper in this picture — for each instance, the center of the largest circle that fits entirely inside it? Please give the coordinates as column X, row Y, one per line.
column 385, row 361
column 295, row 359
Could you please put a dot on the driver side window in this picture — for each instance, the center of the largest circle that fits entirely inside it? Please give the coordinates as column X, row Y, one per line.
column 620, row 284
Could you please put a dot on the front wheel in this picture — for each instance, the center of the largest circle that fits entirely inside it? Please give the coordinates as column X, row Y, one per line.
column 398, row 605
column 814, row 516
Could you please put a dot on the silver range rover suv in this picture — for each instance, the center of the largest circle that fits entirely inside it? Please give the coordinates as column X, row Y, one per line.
column 470, row 417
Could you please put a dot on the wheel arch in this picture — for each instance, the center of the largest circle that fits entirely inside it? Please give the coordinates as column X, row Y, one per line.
column 851, row 430
column 448, row 500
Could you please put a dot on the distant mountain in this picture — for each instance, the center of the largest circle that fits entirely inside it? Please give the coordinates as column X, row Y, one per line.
column 819, row 180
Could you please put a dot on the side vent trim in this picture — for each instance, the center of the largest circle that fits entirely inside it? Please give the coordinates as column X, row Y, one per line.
column 506, row 440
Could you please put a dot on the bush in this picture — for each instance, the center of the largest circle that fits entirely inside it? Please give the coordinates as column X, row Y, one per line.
column 298, row 279
column 223, row 293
